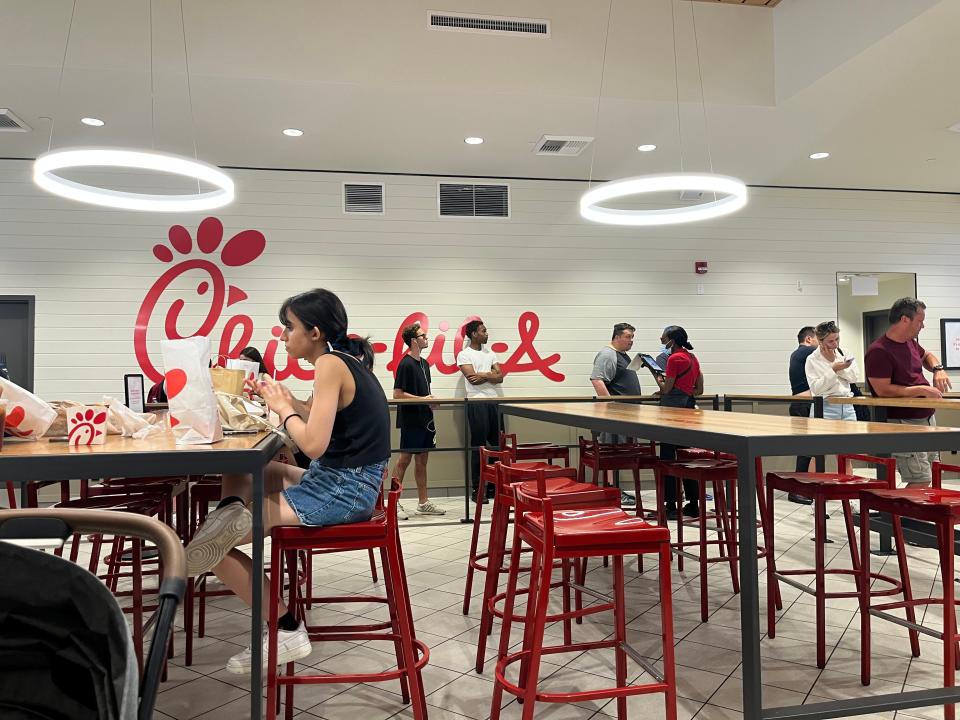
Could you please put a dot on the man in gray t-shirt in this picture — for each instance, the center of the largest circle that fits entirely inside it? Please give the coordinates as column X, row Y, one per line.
column 610, row 376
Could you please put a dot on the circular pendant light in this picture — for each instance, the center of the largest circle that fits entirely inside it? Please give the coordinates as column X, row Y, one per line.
column 734, row 191
column 45, row 167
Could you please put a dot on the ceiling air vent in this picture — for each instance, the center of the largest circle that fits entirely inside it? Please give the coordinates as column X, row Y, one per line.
column 463, row 200
column 561, row 145
column 11, row 123
column 363, row 198
column 460, row 22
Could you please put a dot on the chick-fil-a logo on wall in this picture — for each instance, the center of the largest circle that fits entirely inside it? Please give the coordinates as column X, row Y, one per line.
column 244, row 248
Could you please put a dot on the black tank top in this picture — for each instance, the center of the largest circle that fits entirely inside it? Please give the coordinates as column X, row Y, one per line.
column 361, row 430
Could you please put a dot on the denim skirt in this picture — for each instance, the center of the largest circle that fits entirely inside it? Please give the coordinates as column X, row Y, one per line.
column 336, row 496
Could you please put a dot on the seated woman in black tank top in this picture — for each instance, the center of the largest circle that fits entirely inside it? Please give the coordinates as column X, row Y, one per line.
column 345, row 429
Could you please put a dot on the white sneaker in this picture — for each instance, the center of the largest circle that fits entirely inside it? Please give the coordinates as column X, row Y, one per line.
column 291, row 645
column 428, row 508
column 401, row 513
column 222, row 531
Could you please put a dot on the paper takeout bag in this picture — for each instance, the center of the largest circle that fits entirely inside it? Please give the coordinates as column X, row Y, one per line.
column 227, row 381
column 236, row 413
column 27, row 415
column 250, row 369
column 194, row 417
column 130, row 423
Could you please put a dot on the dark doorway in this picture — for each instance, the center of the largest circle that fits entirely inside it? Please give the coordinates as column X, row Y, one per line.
column 875, row 324
column 16, row 338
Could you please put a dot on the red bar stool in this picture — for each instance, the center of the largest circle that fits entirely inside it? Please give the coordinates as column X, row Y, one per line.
column 569, row 536
column 488, row 478
column 717, row 473
column 927, row 504
column 841, row 486
column 378, row 533
column 602, row 458
column 534, row 451
column 562, row 487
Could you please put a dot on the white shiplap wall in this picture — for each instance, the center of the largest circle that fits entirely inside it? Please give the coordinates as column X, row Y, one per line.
column 771, row 270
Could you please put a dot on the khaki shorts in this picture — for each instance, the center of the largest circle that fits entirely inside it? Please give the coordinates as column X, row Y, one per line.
column 915, row 468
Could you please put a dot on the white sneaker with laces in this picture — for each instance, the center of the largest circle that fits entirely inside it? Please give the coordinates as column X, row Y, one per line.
column 428, row 508
column 222, row 531
column 627, row 500
column 401, row 513
column 291, row 645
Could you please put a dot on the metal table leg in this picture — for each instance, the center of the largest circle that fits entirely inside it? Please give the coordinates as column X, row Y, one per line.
column 749, row 589
column 256, row 615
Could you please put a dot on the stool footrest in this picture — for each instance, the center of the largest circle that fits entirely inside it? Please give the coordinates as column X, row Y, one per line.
column 595, row 594
column 642, row 661
column 551, row 617
column 577, row 696
column 782, row 576
column 419, row 646
column 906, row 623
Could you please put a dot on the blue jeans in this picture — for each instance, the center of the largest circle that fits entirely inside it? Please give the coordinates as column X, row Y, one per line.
column 837, row 412
column 336, row 496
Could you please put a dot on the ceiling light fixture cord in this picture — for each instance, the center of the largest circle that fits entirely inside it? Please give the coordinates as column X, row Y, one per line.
column 596, row 117
column 676, row 76
column 186, row 61
column 153, row 130
column 703, row 98
column 63, row 62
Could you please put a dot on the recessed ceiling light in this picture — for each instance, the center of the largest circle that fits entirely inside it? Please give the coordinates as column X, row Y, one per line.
column 819, row 155
column 473, row 140
column 293, row 132
column 92, row 121
column 646, row 148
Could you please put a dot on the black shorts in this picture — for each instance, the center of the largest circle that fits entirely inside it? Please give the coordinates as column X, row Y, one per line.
column 417, row 439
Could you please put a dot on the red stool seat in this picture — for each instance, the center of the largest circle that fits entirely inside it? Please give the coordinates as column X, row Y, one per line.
column 702, row 454
column 925, row 503
column 603, row 527
column 534, row 451
column 834, row 486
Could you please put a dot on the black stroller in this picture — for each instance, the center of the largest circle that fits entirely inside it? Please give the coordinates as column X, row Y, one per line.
column 65, row 649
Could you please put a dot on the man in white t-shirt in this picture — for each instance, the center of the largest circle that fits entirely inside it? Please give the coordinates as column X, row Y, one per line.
column 482, row 372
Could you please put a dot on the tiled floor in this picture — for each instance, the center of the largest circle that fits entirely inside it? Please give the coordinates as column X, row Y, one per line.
column 707, row 654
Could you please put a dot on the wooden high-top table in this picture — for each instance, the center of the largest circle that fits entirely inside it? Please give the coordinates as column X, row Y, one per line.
column 749, row 437
column 25, row 462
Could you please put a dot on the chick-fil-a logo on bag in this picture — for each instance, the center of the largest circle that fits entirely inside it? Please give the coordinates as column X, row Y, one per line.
column 244, row 248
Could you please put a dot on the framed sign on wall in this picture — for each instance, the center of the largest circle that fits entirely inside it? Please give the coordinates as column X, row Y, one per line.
column 950, row 343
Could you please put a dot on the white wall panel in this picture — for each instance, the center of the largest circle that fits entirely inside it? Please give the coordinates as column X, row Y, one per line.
column 90, row 270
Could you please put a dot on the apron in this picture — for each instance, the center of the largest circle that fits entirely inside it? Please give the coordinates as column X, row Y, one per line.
column 677, row 398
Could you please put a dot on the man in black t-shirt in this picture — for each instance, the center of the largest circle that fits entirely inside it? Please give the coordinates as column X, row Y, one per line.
column 806, row 344
column 418, row 433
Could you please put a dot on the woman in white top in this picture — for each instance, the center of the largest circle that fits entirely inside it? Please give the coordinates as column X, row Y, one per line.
column 829, row 373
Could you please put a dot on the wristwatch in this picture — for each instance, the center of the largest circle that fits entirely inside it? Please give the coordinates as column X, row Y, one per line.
column 936, row 368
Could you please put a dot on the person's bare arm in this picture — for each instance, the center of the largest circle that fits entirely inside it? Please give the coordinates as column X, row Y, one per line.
column 698, row 386
column 495, row 375
column 884, row 388
column 600, row 389
column 472, row 375
column 666, row 384
column 940, row 378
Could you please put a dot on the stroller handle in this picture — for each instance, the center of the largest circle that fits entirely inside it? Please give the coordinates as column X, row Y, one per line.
column 39, row 523
column 108, row 522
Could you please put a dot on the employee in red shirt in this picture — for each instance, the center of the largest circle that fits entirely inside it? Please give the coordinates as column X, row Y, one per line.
column 895, row 365
column 680, row 384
